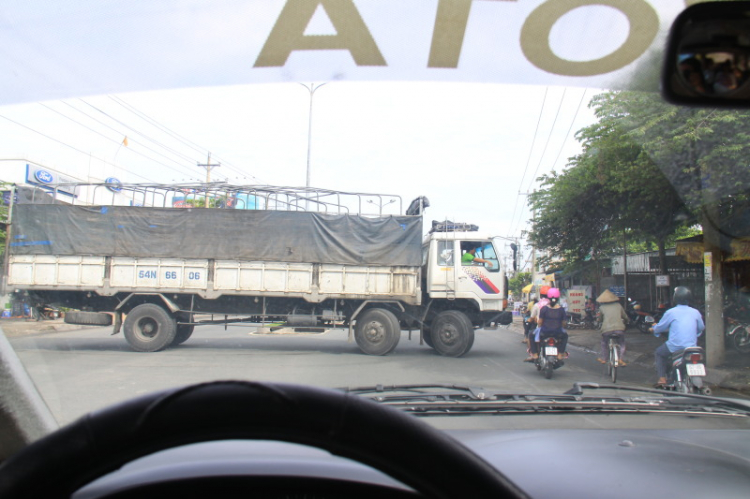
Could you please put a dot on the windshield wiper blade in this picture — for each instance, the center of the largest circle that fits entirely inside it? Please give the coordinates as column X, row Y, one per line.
column 674, row 398
column 427, row 392
column 457, row 400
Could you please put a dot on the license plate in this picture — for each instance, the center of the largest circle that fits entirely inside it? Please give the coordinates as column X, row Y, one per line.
column 550, row 350
column 696, row 369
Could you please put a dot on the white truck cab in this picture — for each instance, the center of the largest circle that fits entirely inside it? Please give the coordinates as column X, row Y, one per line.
column 464, row 265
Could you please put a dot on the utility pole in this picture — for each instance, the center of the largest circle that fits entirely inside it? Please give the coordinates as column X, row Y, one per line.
column 311, row 88
column 208, row 166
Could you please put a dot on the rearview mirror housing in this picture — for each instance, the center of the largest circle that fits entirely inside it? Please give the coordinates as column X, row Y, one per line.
column 707, row 58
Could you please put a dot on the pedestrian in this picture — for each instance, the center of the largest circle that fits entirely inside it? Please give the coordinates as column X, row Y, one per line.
column 613, row 318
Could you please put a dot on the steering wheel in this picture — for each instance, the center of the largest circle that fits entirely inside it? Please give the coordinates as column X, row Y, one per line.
column 347, row 425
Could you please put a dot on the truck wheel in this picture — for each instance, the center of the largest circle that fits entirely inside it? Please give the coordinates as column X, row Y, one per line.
column 377, row 331
column 88, row 318
column 452, row 333
column 184, row 331
column 427, row 336
column 149, row 328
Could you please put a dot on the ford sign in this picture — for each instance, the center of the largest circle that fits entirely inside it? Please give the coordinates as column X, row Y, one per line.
column 44, row 176
column 113, row 184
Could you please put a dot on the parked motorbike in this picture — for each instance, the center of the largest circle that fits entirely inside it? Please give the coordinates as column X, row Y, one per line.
column 639, row 318
column 687, row 371
column 45, row 312
column 574, row 320
column 738, row 335
column 547, row 360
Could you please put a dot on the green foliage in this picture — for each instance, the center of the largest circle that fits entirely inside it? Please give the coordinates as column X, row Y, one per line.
column 518, row 282
column 646, row 170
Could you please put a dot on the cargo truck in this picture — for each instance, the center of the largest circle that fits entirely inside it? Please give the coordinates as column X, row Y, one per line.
column 304, row 259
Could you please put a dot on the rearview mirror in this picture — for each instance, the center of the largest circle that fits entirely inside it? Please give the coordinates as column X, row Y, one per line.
column 707, row 62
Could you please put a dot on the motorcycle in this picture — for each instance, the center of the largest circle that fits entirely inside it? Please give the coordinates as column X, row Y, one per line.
column 687, row 371
column 588, row 320
column 738, row 334
column 640, row 319
column 45, row 312
column 547, row 360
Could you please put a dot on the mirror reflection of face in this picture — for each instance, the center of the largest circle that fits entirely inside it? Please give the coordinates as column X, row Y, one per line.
column 713, row 72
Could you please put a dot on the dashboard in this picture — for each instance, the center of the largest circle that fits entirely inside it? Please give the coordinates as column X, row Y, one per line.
column 543, row 463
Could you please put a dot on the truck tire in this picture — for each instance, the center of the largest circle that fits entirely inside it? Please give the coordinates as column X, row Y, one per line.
column 377, row 331
column 88, row 318
column 452, row 333
column 149, row 328
column 184, row 332
column 427, row 336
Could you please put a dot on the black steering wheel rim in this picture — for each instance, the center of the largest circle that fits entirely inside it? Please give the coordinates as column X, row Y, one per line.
column 347, row 425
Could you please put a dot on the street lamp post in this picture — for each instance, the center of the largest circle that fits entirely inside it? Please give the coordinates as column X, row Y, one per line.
column 311, row 88
column 380, row 204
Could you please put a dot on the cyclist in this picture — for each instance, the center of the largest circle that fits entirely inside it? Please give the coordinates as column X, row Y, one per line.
column 684, row 324
column 614, row 319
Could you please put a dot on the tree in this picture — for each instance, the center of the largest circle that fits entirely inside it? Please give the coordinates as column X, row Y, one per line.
column 648, row 170
column 518, row 282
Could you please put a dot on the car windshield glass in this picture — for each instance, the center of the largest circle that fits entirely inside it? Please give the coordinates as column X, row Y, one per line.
column 367, row 193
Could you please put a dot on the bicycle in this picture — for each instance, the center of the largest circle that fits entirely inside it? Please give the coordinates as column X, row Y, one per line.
column 613, row 360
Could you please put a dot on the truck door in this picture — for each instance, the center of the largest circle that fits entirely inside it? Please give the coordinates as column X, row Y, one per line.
column 479, row 274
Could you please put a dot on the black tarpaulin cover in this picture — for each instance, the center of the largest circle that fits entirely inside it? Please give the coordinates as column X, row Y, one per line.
column 280, row 236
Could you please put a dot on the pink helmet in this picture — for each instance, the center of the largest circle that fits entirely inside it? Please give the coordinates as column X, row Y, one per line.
column 553, row 293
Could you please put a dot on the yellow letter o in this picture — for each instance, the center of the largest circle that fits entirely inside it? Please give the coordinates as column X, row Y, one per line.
column 644, row 25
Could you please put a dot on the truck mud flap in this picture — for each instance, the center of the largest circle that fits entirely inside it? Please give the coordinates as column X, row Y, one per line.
column 501, row 318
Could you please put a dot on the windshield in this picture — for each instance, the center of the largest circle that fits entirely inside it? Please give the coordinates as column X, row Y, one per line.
column 363, row 193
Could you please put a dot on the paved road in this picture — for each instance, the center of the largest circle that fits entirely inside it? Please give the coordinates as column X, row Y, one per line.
column 79, row 371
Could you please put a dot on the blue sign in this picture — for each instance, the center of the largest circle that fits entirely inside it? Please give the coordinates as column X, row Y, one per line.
column 44, row 176
column 113, row 184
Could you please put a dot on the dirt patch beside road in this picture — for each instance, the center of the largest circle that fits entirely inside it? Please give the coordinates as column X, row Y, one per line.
column 20, row 327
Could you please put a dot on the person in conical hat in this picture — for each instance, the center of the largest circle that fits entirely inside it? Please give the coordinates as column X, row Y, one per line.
column 613, row 318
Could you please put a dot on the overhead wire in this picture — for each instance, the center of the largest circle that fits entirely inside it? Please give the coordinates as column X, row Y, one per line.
column 109, row 138
column 196, row 147
column 544, row 151
column 572, row 122
column 528, row 159
column 63, row 143
column 139, row 133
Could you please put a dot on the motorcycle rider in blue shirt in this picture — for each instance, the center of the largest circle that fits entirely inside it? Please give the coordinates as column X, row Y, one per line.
column 684, row 324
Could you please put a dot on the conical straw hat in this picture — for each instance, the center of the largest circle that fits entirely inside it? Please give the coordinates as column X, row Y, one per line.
column 607, row 297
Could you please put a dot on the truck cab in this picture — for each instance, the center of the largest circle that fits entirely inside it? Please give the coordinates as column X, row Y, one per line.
column 462, row 264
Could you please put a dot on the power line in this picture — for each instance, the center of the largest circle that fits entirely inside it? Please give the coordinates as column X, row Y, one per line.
column 173, row 151
column 196, row 147
column 572, row 122
column 64, row 143
column 109, row 138
column 552, row 129
column 528, row 159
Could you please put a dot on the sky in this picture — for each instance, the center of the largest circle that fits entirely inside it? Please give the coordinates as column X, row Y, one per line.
column 182, row 78
column 473, row 149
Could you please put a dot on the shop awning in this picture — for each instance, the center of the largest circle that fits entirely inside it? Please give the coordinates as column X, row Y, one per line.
column 690, row 249
column 527, row 288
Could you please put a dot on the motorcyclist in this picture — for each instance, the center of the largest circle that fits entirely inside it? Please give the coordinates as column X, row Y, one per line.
column 533, row 318
column 551, row 320
column 528, row 325
column 684, row 324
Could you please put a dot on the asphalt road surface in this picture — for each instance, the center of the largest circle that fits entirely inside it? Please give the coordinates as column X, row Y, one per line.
column 83, row 370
